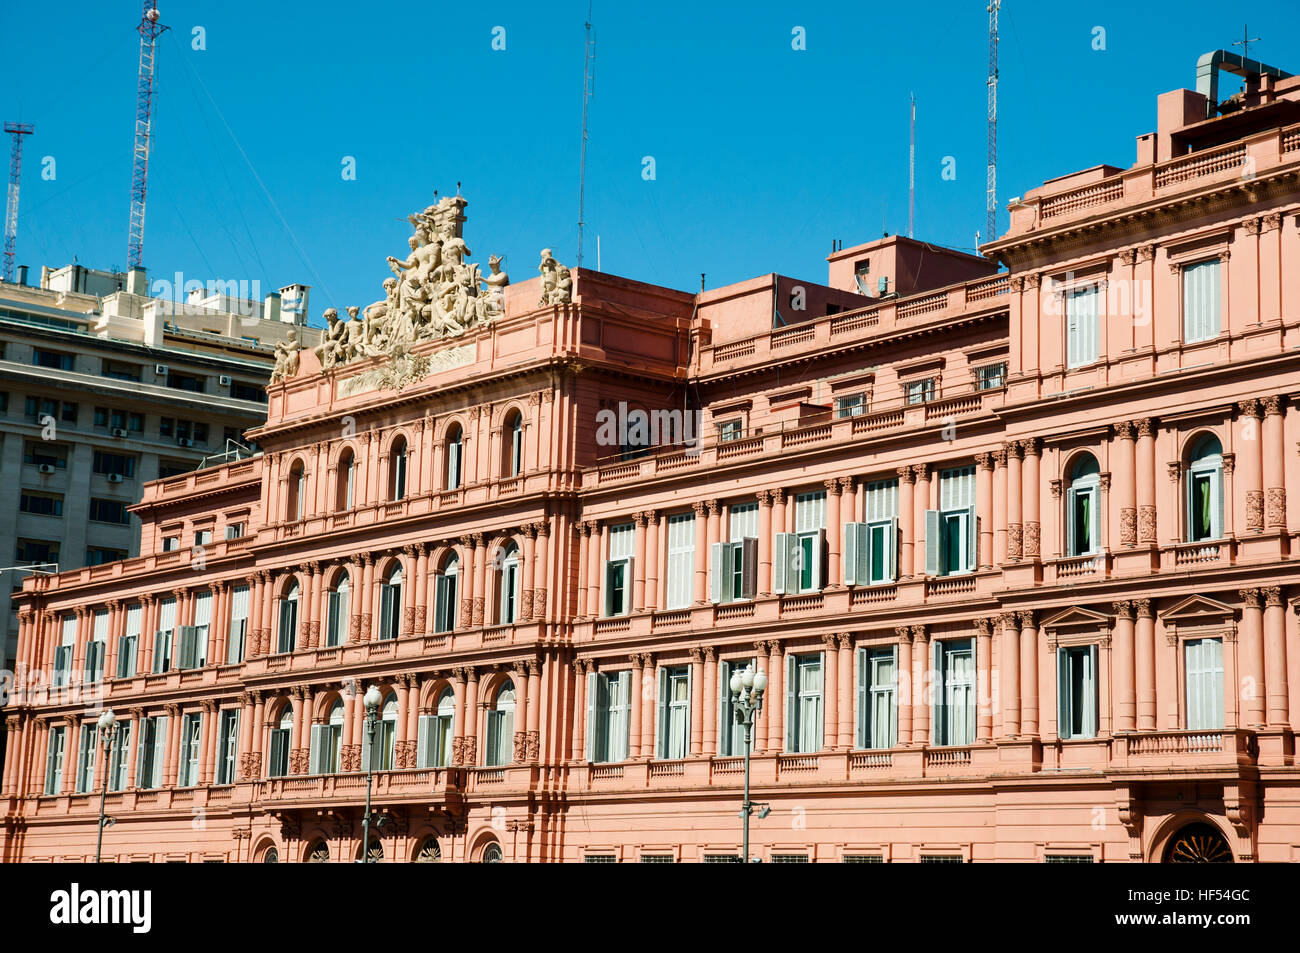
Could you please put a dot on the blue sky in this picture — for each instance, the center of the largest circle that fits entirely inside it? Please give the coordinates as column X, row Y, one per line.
column 763, row 154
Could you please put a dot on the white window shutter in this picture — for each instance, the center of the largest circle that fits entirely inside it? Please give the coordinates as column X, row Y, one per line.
column 849, row 558
column 891, row 550
column 821, row 708
column 791, row 705
column 939, row 710
column 933, row 543
column 1063, row 691
column 662, row 746
column 593, row 679
column 819, row 560
column 619, row 745
column 717, row 571
column 159, row 750
column 972, row 539
column 426, row 733
column 781, row 568
column 1090, row 694
column 316, row 751
column 141, row 755
column 749, row 568
column 864, row 685
column 724, row 708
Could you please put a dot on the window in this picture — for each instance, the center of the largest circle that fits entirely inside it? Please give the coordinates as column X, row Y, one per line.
column 185, row 382
column 234, row 531
column 919, row 391
column 327, row 742
column 1068, row 859
column 39, row 453
column 120, row 756
column 295, row 505
column 501, row 727
column 344, row 486
column 721, row 858
column 238, row 625
column 444, row 604
column 798, row 558
column 101, row 416
column 1082, row 507
column 86, row 759
column 942, row 859
column 397, row 470
column 1076, row 687
column 1204, row 664
column 871, row 547
column 681, row 560
column 171, row 468
column 97, row 647
column 114, row 464
column 658, row 859
column 63, row 652
column 729, row 430
column 386, row 733
column 202, row 537
column 878, row 697
column 128, row 643
column 191, row 730
column 54, row 760
column 731, row 733
column 151, row 753
column 166, row 427
column 674, row 711
column 618, row 569
column 991, row 376
column 390, row 603
column 288, row 631
column 733, row 576
column 434, row 733
column 120, row 370
column 242, row 391
column 109, row 511
column 170, row 544
column 36, row 551
column 1201, row 301
column 514, row 439
column 98, row 555
column 508, row 580
column 803, row 699
column 336, row 614
column 609, row 697
column 851, row 405
column 789, row 858
column 55, row 360
column 193, row 639
column 227, row 745
column 164, row 637
column 954, row 708
column 454, row 450
column 1205, row 491
column 1082, row 327
column 863, row 859
column 951, row 532
column 41, row 504
column 277, row 764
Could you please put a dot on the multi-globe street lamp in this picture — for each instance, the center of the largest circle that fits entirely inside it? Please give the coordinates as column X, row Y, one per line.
column 372, row 701
column 747, row 690
column 107, row 735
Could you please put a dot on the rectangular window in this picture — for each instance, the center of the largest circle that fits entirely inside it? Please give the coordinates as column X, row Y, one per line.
column 121, row 371
column 954, row 708
column 151, row 753
column 238, row 625
column 36, row 551
column 444, row 613
column 241, row 391
column 86, row 759
column 681, row 560
column 202, row 537
column 64, row 651
column 1205, row 500
column 114, row 464
column 674, row 711
column 919, row 391
column 97, row 648
column 878, row 697
column 618, row 569
column 227, row 746
column 120, row 759
column 1083, row 514
column 234, row 531
column 101, row 416
column 337, row 613
column 991, row 376
column 609, row 697
column 951, row 532
column 798, row 558
column 729, row 430
column 109, row 511
column 163, row 638
column 98, row 555
column 851, row 405
column 54, row 760
column 129, row 642
column 39, row 453
column 41, row 504
column 1201, row 301
column 731, row 733
column 803, row 697
column 871, row 547
column 1204, row 663
column 185, row 382
column 54, row 360
column 733, row 571
column 191, row 730
column 1076, row 687
column 1082, row 326
column 171, row 544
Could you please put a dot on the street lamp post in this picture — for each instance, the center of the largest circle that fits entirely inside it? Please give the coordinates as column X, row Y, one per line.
column 107, row 734
column 371, row 700
column 747, row 690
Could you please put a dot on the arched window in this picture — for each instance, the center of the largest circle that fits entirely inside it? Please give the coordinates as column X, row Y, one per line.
column 501, row 726
column 277, row 765
column 288, row 634
column 376, row 848
column 454, row 454
column 271, row 856
column 319, row 853
column 491, row 854
column 295, row 506
column 1083, row 509
column 397, row 470
column 390, row 603
column 513, row 436
column 343, row 493
column 386, row 733
column 444, row 610
column 443, row 728
column 327, row 742
column 1205, row 490
column 508, row 585
column 337, row 608
column 429, row 852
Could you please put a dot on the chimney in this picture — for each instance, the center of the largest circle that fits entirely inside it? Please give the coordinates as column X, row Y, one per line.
column 136, row 283
column 1174, row 110
column 22, row 275
column 271, row 307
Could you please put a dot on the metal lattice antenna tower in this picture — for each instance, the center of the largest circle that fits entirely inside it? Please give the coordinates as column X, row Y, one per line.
column 911, row 172
column 16, row 130
column 150, row 30
column 588, row 88
column 991, row 201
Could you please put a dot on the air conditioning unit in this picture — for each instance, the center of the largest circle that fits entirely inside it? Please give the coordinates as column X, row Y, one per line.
column 160, row 370
column 46, row 468
column 225, row 380
column 115, row 478
column 119, row 432
column 184, row 442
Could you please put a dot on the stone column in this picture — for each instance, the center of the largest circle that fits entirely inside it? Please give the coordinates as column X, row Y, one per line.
column 1032, row 492
column 1122, row 667
column 465, row 584
column 634, row 708
column 774, row 739
column 701, row 554
column 651, row 559
column 844, row 734
column 983, row 680
column 830, row 693
column 584, row 543
column 698, row 690
column 778, row 515
column 1028, row 674
column 765, row 542
column 421, row 595
column 647, row 706
column 1124, row 469
column 366, row 597
column 480, row 577
column 595, row 569
column 470, row 751
column 400, row 736
column 999, row 507
column 255, row 736
column 920, row 503
column 1015, row 503
column 459, row 690
column 206, row 743
column 639, row 558
column 541, row 567
column 921, row 700
column 1275, row 658
column 1009, row 674
column 833, row 575
column 1249, row 466
column 581, row 668
column 532, row 722
column 1250, row 669
column 1274, row 469
column 984, row 507
column 526, row 571
column 907, row 689
column 1146, row 480
column 711, row 689
column 1144, row 665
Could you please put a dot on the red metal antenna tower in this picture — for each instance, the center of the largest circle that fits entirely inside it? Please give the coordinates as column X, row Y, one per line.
column 17, row 130
column 150, row 30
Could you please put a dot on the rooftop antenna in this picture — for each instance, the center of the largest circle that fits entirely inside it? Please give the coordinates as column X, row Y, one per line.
column 588, row 88
column 911, row 171
column 150, row 29
column 1245, row 41
column 991, row 204
column 16, row 130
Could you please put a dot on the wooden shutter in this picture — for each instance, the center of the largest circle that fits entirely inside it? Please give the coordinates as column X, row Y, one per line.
column 425, row 731
column 939, row 710
column 791, row 705
column 972, row 539
column 748, row 568
column 1063, row 692
column 724, row 708
column 891, row 550
column 663, row 709
column 1090, row 694
column 782, row 569
column 159, row 750
column 933, row 543
column 849, row 558
column 821, row 708
column 864, row 685
column 819, row 560
column 278, row 740
column 141, row 755
column 617, row 747
column 609, row 587
column 593, row 680
column 317, row 750
column 718, row 572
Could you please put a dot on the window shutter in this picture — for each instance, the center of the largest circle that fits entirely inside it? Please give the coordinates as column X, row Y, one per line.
column 593, row 678
column 717, row 571
column 724, row 708
column 939, row 708
column 849, row 558
column 819, row 560
column 141, row 755
column 781, row 563
column 159, row 750
column 690, row 689
column 748, row 567
column 278, row 741
column 933, row 543
column 821, row 708
column 609, row 587
column 891, row 550
column 187, row 633
column 368, row 749
column 791, row 705
column 1215, row 666
column 972, row 539
column 864, row 676
column 1063, row 689
column 863, row 569
column 426, row 732
column 1090, row 695
column 618, row 746
column 159, row 658
column 52, row 762
column 317, row 751
column 662, row 746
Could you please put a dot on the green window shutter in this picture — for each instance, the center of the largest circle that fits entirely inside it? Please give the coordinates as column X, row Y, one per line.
column 719, row 577
column 783, row 545
column 791, row 705
column 662, row 746
column 1071, row 518
column 864, row 678
column 933, row 543
column 849, row 558
column 749, row 567
column 610, row 569
column 972, row 539
column 141, row 755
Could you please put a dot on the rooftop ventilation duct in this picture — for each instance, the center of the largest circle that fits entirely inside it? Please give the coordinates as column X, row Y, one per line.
column 1210, row 65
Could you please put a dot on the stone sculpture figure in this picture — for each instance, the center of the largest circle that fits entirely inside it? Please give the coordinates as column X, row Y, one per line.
column 330, row 351
column 491, row 303
column 557, row 284
column 286, row 357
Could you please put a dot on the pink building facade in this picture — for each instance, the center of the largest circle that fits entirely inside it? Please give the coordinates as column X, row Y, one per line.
column 1015, row 550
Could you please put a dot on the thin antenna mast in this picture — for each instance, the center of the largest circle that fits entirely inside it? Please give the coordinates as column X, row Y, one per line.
column 588, row 87
column 16, row 130
column 150, row 29
column 991, row 204
column 911, row 172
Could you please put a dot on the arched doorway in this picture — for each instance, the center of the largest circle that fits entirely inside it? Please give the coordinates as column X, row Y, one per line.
column 1198, row 843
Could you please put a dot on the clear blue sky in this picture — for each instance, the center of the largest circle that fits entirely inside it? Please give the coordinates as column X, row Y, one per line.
column 763, row 154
